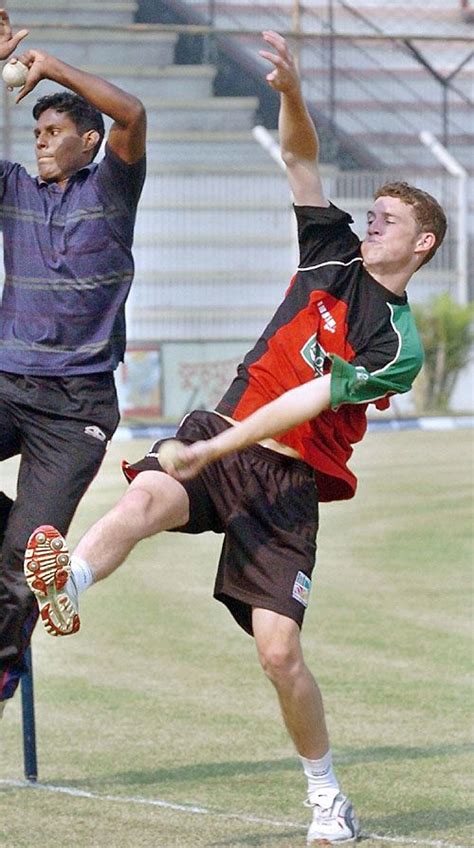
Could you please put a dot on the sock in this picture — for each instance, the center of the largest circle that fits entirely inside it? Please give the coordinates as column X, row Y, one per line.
column 81, row 574
column 320, row 775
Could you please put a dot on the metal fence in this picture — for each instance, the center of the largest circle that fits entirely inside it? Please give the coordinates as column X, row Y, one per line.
column 363, row 67
column 215, row 245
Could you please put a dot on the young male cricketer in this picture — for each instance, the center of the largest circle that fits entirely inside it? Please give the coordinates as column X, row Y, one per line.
column 343, row 337
column 68, row 268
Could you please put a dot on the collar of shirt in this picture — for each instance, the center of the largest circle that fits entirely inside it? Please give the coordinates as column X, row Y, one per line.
column 85, row 169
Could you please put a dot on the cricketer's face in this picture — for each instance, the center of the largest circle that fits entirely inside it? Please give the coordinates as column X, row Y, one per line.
column 60, row 149
column 393, row 235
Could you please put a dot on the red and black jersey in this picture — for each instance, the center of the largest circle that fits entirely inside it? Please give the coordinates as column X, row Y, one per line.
column 334, row 318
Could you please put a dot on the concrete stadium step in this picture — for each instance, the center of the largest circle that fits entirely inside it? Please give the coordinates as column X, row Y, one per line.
column 246, row 322
column 209, row 113
column 416, row 85
column 214, row 253
column 148, row 81
column 213, row 221
column 447, row 35
column 172, row 81
column 403, row 149
column 255, row 278
column 355, row 116
column 392, row 19
column 204, row 185
column 27, row 12
column 366, row 55
column 219, row 290
column 103, row 45
column 219, row 304
column 217, row 148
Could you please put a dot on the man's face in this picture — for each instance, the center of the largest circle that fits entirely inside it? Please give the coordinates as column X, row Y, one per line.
column 60, row 149
column 392, row 234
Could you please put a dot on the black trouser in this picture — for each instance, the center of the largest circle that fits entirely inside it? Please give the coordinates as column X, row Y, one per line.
column 61, row 450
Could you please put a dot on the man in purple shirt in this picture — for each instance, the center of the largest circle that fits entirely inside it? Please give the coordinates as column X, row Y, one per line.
column 68, row 269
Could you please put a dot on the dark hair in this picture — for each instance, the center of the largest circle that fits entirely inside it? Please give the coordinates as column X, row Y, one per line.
column 428, row 213
column 83, row 114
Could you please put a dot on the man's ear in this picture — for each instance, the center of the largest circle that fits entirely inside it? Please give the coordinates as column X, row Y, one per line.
column 425, row 242
column 90, row 139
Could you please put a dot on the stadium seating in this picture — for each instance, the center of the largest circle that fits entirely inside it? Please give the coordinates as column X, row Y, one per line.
column 215, row 244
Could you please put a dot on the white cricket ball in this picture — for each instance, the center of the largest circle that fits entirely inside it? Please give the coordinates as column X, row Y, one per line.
column 14, row 74
column 168, row 455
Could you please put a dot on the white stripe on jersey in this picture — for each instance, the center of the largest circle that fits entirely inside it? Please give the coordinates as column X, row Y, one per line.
column 331, row 262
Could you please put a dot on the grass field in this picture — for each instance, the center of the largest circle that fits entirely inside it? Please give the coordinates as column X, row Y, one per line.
column 156, row 727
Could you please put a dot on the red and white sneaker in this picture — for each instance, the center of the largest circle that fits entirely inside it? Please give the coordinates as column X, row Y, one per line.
column 334, row 820
column 48, row 574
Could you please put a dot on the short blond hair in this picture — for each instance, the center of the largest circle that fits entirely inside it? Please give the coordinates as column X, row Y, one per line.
column 428, row 213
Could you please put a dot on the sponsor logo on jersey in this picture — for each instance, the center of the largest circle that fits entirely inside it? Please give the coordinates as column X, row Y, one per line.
column 329, row 322
column 314, row 355
column 362, row 374
column 301, row 588
column 95, row 432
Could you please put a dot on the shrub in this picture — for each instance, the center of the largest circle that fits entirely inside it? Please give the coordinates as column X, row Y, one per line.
column 447, row 335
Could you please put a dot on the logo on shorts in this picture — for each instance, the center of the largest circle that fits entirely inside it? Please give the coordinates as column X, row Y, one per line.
column 301, row 588
column 95, row 432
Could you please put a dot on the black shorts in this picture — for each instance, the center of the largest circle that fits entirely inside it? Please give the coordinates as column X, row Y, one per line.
column 266, row 504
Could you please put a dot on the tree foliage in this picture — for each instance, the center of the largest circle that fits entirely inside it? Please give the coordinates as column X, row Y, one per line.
column 447, row 333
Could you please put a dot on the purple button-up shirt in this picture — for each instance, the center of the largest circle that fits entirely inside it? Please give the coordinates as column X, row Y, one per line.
column 68, row 267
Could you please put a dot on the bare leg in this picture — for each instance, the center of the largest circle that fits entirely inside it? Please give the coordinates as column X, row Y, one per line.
column 279, row 648
column 278, row 643
column 154, row 502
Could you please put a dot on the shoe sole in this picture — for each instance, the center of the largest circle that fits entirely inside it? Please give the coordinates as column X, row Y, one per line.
column 47, row 568
column 325, row 842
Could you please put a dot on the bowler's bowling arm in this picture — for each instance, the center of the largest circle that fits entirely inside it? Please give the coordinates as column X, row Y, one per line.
column 285, row 412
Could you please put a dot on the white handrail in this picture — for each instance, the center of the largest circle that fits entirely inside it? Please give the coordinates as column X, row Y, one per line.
column 454, row 168
column 266, row 140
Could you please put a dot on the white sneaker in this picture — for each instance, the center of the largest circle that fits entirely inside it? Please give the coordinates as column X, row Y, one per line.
column 334, row 820
column 48, row 574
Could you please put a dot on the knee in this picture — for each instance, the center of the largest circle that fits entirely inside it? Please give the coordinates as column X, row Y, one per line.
column 134, row 510
column 279, row 661
column 153, row 502
column 136, row 498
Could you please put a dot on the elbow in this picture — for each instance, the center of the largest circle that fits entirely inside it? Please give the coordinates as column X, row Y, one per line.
column 293, row 160
column 137, row 114
column 289, row 158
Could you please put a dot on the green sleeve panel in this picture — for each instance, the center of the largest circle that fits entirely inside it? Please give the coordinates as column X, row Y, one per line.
column 351, row 383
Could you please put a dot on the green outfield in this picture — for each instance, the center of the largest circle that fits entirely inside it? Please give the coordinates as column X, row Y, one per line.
column 156, row 727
